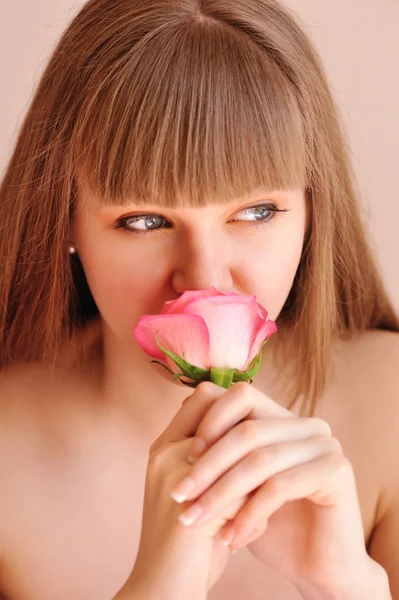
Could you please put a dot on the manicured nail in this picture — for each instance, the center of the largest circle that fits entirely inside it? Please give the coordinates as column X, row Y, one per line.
column 182, row 490
column 228, row 536
column 191, row 514
column 242, row 540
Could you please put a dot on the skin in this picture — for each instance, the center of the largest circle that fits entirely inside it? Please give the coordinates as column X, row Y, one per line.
column 214, row 245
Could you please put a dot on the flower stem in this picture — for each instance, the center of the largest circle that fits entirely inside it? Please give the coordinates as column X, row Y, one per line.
column 222, row 377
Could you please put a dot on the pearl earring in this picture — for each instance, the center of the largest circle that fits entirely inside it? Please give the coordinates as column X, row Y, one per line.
column 72, row 250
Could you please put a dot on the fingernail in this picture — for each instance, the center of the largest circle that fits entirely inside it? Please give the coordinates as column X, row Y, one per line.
column 198, row 447
column 191, row 514
column 228, row 537
column 243, row 539
column 182, row 490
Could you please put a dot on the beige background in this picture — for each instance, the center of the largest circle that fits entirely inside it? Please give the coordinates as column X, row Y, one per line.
column 359, row 43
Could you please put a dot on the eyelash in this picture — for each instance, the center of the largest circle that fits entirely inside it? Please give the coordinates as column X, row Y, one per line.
column 122, row 222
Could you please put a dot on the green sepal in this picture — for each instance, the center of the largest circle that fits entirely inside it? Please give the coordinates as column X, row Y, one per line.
column 222, row 377
column 195, row 384
column 204, row 377
column 252, row 369
column 188, row 370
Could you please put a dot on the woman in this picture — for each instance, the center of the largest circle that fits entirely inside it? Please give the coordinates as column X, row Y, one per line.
column 155, row 135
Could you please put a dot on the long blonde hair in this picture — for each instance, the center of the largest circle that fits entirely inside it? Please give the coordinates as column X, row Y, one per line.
column 183, row 102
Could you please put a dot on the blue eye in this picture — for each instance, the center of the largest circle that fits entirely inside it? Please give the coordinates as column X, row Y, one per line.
column 150, row 221
column 263, row 214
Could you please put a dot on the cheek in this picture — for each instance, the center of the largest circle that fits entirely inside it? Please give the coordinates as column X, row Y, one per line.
column 122, row 286
column 123, row 282
column 281, row 272
column 274, row 275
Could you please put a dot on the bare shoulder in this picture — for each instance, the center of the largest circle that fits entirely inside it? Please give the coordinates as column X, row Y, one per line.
column 21, row 395
column 40, row 407
column 34, row 392
column 44, row 410
column 369, row 362
column 370, row 376
column 375, row 344
column 370, row 368
column 29, row 389
column 33, row 410
column 375, row 358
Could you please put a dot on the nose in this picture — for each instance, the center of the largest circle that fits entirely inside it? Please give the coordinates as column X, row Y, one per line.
column 204, row 260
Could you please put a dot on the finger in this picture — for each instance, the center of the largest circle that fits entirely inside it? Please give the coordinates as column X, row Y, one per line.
column 327, row 480
column 230, row 511
column 256, row 468
column 244, row 438
column 185, row 423
column 238, row 403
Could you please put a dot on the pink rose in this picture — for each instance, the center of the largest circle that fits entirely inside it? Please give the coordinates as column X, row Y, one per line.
column 210, row 335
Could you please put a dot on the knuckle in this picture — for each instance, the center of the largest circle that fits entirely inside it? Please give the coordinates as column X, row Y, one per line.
column 248, row 429
column 321, row 425
column 261, row 456
column 328, row 443
column 345, row 466
column 158, row 455
column 185, row 400
column 239, row 389
column 241, row 385
column 336, row 444
column 331, row 443
column 154, row 447
column 242, row 388
column 341, row 465
column 207, row 387
column 276, row 485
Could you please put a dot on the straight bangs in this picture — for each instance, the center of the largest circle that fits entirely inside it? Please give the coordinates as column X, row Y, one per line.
column 196, row 113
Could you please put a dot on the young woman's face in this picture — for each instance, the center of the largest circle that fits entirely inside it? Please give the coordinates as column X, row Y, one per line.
column 134, row 265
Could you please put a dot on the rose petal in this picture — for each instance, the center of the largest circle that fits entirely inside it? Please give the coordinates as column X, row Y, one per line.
column 266, row 331
column 231, row 324
column 178, row 305
column 179, row 333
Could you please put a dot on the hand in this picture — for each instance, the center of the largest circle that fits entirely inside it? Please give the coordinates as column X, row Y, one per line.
column 173, row 561
column 302, row 514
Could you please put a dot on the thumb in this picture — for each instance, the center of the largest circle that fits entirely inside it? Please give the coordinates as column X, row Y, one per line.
column 193, row 409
